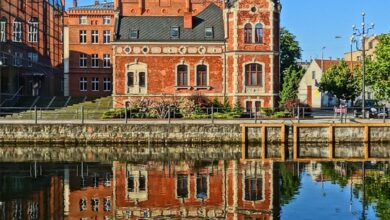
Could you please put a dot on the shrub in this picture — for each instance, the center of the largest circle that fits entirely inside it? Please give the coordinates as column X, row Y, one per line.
column 114, row 113
column 186, row 107
column 267, row 111
column 281, row 115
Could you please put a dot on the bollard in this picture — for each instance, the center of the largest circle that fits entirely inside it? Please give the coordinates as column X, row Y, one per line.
column 212, row 114
column 36, row 115
column 125, row 113
column 82, row 114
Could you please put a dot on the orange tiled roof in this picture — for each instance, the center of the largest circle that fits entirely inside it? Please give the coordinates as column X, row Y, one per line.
column 329, row 63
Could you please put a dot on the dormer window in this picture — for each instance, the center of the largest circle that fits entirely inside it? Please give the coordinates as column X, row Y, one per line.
column 83, row 19
column 175, row 32
column 134, row 34
column 209, row 32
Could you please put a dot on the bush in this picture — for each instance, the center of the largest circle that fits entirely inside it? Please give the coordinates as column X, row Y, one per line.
column 281, row 115
column 114, row 113
column 267, row 111
column 186, row 107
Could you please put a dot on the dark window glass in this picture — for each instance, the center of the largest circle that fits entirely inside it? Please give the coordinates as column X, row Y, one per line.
column 142, row 183
column 248, row 106
column 182, row 75
column 248, row 33
column 182, row 186
column 257, row 106
column 201, row 75
column 253, row 74
column 142, row 79
column 175, row 32
column 134, row 34
column 253, row 188
column 259, row 33
column 209, row 32
column 130, row 184
column 130, row 79
column 201, row 186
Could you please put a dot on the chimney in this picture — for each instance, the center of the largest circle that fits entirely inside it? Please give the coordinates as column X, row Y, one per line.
column 74, row 3
column 188, row 6
column 188, row 20
column 96, row 2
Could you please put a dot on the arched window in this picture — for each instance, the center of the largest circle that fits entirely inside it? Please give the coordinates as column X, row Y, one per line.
column 182, row 75
column 17, row 31
column 201, row 75
column 33, row 30
column 248, row 33
column 3, row 29
column 253, row 74
column 259, row 33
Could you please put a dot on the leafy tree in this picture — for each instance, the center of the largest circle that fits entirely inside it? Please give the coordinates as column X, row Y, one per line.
column 378, row 70
column 290, row 50
column 340, row 81
column 291, row 78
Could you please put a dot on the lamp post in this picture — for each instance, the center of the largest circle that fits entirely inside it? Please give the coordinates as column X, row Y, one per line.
column 363, row 34
column 322, row 58
column 1, row 65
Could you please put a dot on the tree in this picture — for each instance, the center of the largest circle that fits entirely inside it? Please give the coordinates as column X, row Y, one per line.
column 378, row 70
column 290, row 50
column 340, row 81
column 291, row 78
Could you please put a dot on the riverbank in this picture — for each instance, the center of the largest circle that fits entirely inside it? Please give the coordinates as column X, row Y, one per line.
column 195, row 131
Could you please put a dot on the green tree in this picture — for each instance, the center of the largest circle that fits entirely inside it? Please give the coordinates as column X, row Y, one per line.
column 378, row 70
column 290, row 51
column 340, row 81
column 291, row 78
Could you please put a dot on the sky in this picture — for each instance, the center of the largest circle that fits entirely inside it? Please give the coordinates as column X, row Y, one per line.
column 325, row 23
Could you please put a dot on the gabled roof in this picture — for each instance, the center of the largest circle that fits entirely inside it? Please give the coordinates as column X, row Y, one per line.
column 157, row 28
column 329, row 63
column 100, row 6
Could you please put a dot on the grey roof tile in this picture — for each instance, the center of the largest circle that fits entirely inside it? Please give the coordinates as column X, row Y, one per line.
column 101, row 6
column 157, row 28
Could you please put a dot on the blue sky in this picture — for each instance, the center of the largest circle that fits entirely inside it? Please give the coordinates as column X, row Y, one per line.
column 316, row 23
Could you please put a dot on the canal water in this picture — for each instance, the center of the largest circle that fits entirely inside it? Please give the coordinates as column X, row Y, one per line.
column 185, row 182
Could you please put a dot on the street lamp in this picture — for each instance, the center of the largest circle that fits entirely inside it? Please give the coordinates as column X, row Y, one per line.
column 363, row 34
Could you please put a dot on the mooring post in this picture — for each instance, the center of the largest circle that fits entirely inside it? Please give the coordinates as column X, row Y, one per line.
column 36, row 115
column 384, row 114
column 212, row 114
column 330, row 142
column 298, row 113
column 283, row 142
column 295, row 142
column 255, row 116
column 366, row 142
column 82, row 114
column 169, row 114
column 243, row 142
column 263, row 142
column 125, row 112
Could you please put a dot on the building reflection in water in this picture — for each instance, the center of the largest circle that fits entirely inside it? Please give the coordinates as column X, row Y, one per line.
column 228, row 189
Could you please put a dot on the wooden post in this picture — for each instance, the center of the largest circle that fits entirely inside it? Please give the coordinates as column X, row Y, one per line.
column 283, row 142
column 295, row 143
column 243, row 142
column 263, row 142
column 330, row 142
column 366, row 142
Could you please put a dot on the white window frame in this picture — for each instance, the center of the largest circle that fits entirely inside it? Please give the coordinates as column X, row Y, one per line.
column 94, row 60
column 18, row 58
column 32, row 58
column 106, row 84
column 106, row 20
column 83, row 57
column 33, row 31
column 106, row 60
column 95, row 84
column 3, row 30
column 106, row 36
column 95, row 36
column 17, row 34
column 83, row 20
column 83, row 36
column 83, row 83
column 4, row 59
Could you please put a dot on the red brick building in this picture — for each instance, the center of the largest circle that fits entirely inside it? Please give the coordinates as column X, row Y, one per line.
column 89, row 31
column 180, row 48
column 31, row 47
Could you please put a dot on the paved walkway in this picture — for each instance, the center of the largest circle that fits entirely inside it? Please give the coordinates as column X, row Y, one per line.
column 198, row 121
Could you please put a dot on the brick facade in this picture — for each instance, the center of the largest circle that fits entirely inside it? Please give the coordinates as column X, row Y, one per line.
column 99, row 19
column 31, row 47
column 241, row 52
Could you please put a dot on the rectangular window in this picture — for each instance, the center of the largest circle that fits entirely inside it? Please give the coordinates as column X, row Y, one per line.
column 182, row 186
column 130, row 79
column 3, row 31
column 106, row 60
column 106, row 37
column 18, row 57
column 17, row 31
column 95, row 84
column 32, row 58
column 83, row 36
column 106, row 84
column 133, row 34
column 141, row 183
column 201, row 186
column 253, row 188
column 3, row 59
column 313, row 75
column 130, row 184
column 248, row 106
column 106, row 20
column 175, row 32
column 95, row 36
column 83, row 60
column 95, row 60
column 257, row 106
column 209, row 33
column 142, row 79
column 33, row 32
column 182, row 75
column 83, row 19
column 201, row 75
column 83, row 83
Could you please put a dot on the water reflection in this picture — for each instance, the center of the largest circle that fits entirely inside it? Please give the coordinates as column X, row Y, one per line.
column 227, row 188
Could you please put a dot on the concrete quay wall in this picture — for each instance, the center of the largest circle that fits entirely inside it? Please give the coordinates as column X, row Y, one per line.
column 182, row 133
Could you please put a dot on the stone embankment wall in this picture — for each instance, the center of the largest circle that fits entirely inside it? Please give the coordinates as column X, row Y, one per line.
column 176, row 133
